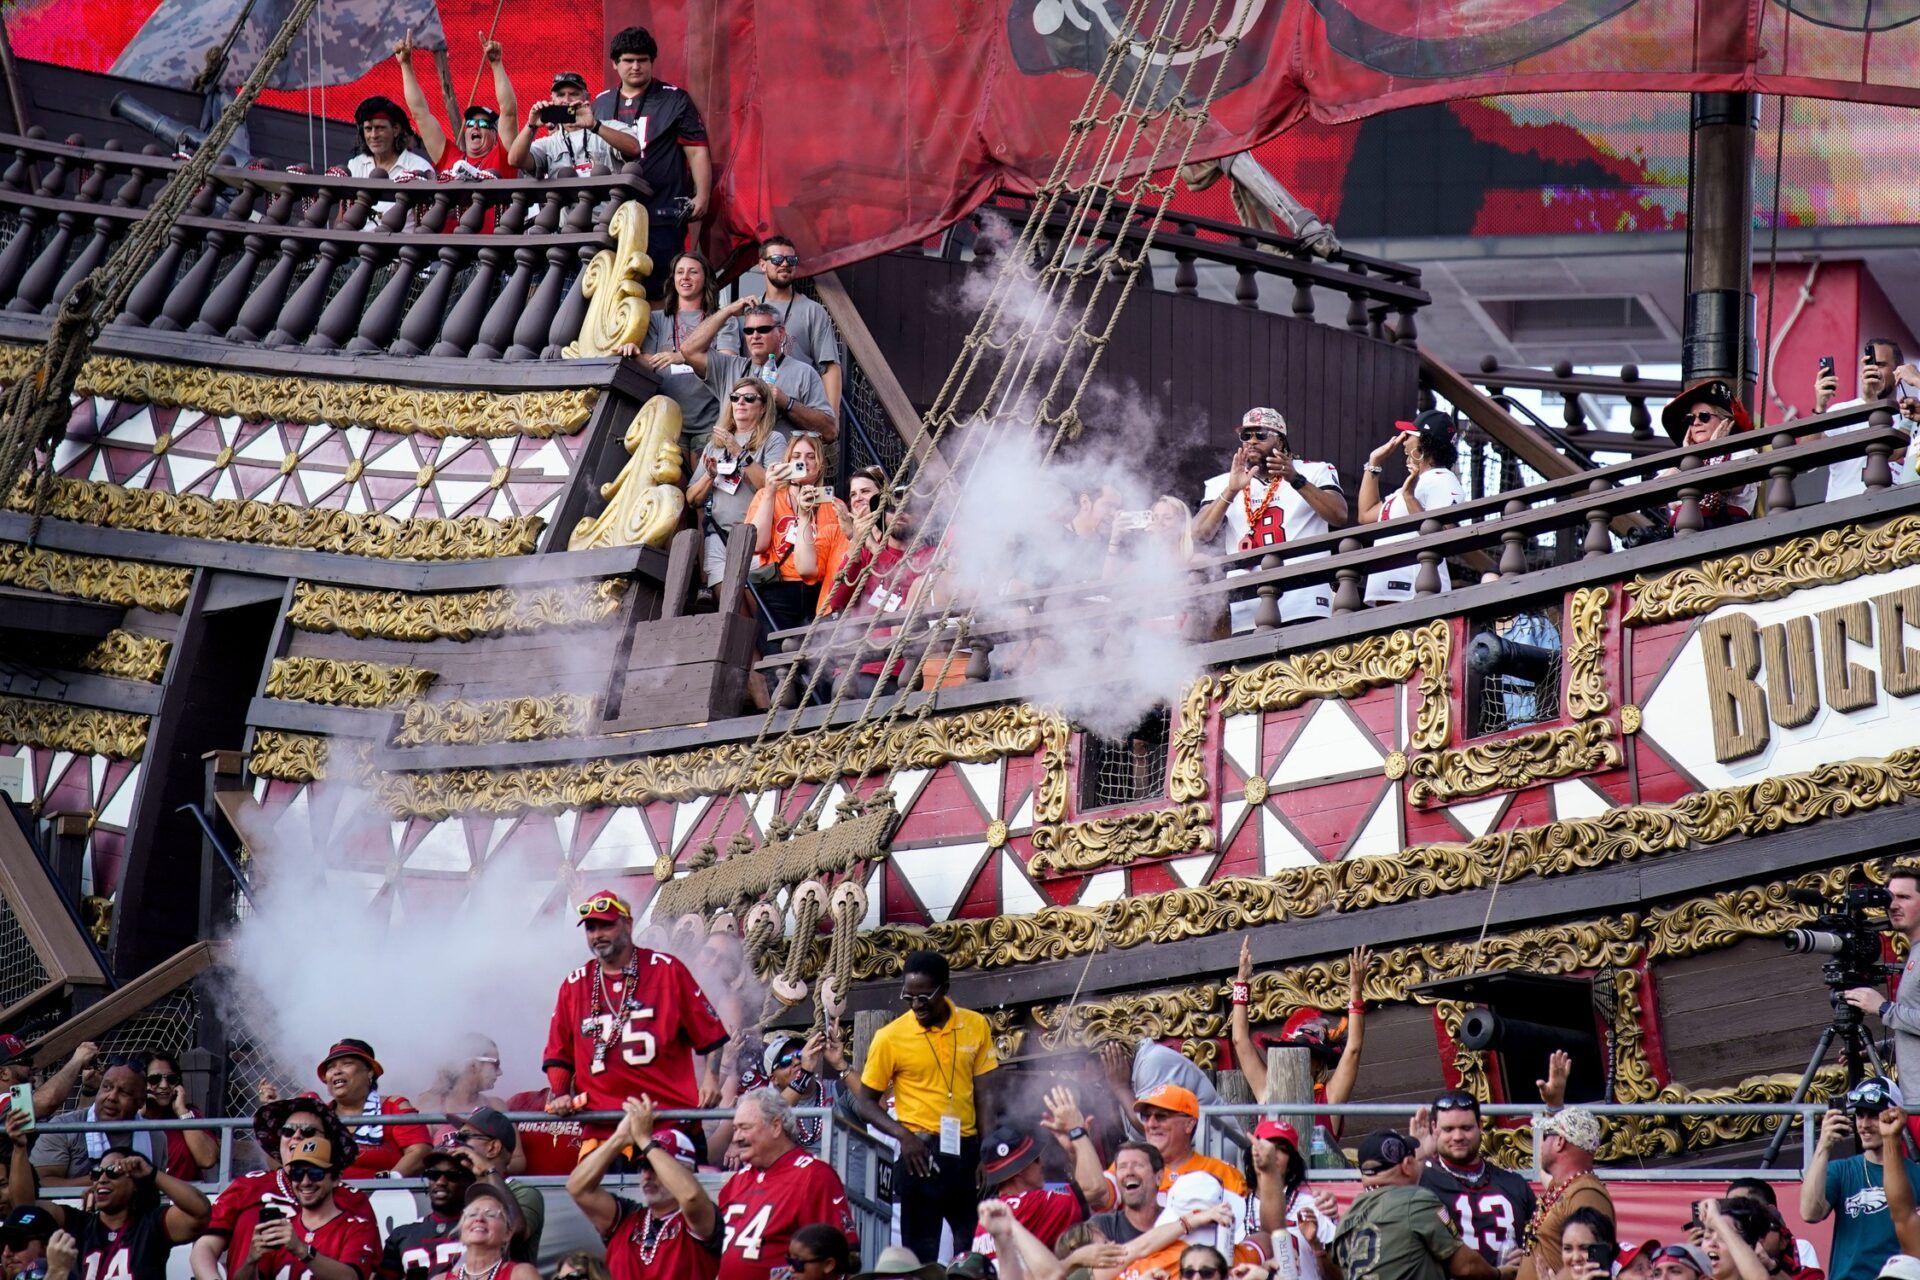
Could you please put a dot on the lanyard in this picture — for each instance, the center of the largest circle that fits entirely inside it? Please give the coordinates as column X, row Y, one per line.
column 951, row 1071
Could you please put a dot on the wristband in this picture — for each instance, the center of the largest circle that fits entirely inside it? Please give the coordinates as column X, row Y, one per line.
column 1356, row 1006
column 1372, row 470
column 1886, row 1007
column 649, row 1148
column 803, row 1079
column 1242, row 991
column 1297, row 480
column 1076, row 1133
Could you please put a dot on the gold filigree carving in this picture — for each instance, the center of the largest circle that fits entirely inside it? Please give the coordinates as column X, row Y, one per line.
column 279, row 524
column 1008, row 1034
column 334, row 682
column 645, row 501
column 1255, row 791
column 615, row 286
column 1050, row 792
column 1630, row 718
column 1112, row 842
column 1587, row 631
column 1204, row 1054
column 1833, row 555
column 1348, row 670
column 1511, row 763
column 1187, row 774
column 129, row 656
column 382, row 406
column 453, row 615
column 464, row 722
column 997, row 833
column 977, row 735
column 288, row 757
column 56, row 726
column 130, row 583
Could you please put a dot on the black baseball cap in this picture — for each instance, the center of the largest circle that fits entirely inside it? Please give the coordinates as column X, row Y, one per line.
column 27, row 1223
column 573, row 78
column 494, row 1125
column 1382, row 1150
column 477, row 114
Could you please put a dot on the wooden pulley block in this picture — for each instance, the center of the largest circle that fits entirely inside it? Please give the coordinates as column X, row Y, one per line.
column 723, row 922
column 688, row 933
column 832, row 999
column 808, row 891
column 789, row 992
column 849, row 895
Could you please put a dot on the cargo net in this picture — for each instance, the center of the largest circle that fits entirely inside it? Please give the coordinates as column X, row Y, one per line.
column 248, row 1063
column 170, row 1025
column 21, row 973
column 1126, row 769
column 1524, row 690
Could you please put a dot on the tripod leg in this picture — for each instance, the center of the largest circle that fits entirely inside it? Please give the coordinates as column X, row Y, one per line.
column 1799, row 1096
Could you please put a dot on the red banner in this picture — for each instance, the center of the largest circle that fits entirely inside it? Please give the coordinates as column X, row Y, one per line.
column 857, row 128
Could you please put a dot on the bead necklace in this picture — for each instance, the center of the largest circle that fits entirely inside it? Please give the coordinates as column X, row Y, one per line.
column 647, row 1235
column 604, row 1035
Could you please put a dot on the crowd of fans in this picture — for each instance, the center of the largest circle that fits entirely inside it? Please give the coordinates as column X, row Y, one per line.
column 1085, row 1167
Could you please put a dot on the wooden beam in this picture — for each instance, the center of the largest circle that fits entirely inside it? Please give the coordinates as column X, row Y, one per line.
column 893, row 397
column 48, row 922
column 162, row 980
column 1530, row 448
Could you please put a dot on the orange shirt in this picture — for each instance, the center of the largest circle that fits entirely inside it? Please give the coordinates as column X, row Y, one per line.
column 829, row 539
column 1224, row 1173
column 1167, row 1260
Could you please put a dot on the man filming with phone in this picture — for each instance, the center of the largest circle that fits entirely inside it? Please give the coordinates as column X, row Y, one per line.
column 1884, row 371
column 576, row 143
column 1853, row 1187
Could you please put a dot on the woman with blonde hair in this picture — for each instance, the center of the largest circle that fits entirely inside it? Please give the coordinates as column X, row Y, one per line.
column 798, row 538
column 733, row 467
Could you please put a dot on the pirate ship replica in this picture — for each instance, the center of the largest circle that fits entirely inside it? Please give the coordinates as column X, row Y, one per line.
column 310, row 515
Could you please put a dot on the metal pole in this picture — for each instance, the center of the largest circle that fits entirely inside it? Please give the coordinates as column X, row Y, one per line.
column 1719, row 336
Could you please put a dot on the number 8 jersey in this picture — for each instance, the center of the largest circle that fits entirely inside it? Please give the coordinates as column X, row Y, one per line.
column 650, row 1039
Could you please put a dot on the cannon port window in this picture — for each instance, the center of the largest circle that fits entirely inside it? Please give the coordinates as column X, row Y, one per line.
column 1513, row 671
column 1128, row 768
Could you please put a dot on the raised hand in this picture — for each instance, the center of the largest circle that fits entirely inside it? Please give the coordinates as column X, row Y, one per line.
column 1553, row 1090
column 1359, row 964
column 489, row 48
column 1063, row 1113
column 403, row 47
column 1420, row 1129
column 1245, row 972
column 1379, row 456
column 638, row 1120
column 1835, row 1128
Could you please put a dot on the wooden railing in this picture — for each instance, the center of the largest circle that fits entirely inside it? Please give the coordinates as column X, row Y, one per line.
column 482, row 270
column 1499, row 527
column 1641, row 436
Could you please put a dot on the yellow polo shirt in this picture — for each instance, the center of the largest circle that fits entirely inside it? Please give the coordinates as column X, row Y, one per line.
column 931, row 1072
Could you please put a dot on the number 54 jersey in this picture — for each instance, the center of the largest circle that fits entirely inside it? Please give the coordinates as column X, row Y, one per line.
column 649, row 1039
column 760, row 1209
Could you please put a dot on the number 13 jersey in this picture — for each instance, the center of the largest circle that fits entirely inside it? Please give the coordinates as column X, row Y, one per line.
column 650, row 1039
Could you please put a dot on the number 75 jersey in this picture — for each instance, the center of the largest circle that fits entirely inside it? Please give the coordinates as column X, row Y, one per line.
column 648, row 1050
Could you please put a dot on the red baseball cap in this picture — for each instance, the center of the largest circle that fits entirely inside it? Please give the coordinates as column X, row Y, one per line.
column 1277, row 1131
column 1628, row 1253
column 604, row 904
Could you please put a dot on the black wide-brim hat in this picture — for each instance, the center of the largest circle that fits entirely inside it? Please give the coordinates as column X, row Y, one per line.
column 1717, row 392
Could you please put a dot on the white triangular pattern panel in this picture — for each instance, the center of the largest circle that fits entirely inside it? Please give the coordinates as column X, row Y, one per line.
column 1240, row 741
column 443, row 848
column 1018, row 897
column 566, row 822
column 1023, row 816
column 876, row 897
column 984, row 781
column 1279, row 847
column 686, row 816
column 119, row 810
column 1103, row 886
column 1478, row 816
column 1578, row 799
column 266, row 447
column 1231, row 811
column 1380, row 837
column 1191, row 871
column 1329, row 744
column 939, row 876
column 623, row 844
column 136, row 430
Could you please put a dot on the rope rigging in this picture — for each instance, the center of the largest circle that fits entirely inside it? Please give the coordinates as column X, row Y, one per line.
column 34, row 410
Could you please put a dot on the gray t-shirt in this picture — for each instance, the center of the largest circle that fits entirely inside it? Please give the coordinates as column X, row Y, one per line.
column 794, row 377
column 67, row 1152
column 810, row 335
column 1116, row 1226
column 730, row 509
column 699, row 406
column 566, row 153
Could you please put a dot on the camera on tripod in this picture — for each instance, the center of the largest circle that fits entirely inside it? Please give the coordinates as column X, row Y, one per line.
column 1847, row 929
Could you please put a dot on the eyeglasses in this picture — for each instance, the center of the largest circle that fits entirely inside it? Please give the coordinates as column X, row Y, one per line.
column 1705, row 415
column 751, row 329
column 299, row 1130
column 305, row 1173
column 579, row 1275
column 110, row 1172
column 445, row 1174
column 479, row 122
column 604, row 903
column 484, row 1062
column 467, row 1135
column 745, row 397
column 163, row 1077
column 784, row 259
column 1251, row 434
column 921, row 1001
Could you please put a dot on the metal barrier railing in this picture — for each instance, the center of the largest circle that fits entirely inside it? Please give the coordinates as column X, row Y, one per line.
column 1224, row 1141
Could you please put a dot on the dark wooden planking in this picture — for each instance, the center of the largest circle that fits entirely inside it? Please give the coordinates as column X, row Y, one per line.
column 1402, row 1061
column 1738, row 1012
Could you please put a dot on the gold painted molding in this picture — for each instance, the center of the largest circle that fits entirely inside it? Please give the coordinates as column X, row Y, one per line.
column 646, row 500
column 1833, row 555
column 1513, row 763
column 289, row 757
column 1187, row 774
column 55, row 726
column 1348, row 670
column 615, row 285
column 316, row 401
column 132, row 584
column 453, row 615
column 1586, row 677
column 279, row 524
column 129, row 656
column 1093, row 843
column 1050, row 791
column 478, row 722
column 335, row 682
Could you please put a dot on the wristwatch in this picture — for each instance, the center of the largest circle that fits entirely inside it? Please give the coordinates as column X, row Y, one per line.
column 1297, row 480
column 1076, row 1133
column 1372, row 470
column 648, row 1149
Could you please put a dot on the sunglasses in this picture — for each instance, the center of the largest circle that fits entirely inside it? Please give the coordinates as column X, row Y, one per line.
column 305, row 1173
column 444, row 1174
column 758, row 328
column 110, row 1172
column 1457, row 1102
column 581, row 1275
column 299, row 1130
column 602, row 904
column 480, row 122
column 798, row 1264
column 163, row 1077
column 1705, row 415
column 487, row 1062
column 745, row 397
column 784, row 259
column 1199, row 1273
column 1259, row 433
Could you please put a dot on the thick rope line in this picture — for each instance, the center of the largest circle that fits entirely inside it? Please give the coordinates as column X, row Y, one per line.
column 35, row 409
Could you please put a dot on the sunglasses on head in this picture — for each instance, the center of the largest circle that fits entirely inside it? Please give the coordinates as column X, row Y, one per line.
column 602, row 904
column 745, row 397
column 1457, row 1102
column 305, row 1173
column 1677, row 1253
column 758, row 328
column 784, row 259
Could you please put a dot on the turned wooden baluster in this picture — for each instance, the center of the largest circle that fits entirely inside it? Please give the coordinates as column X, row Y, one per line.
column 1689, row 519
column 1186, row 276
column 184, row 301
column 264, row 304
column 503, row 317
column 37, row 286
column 150, row 294
column 1405, row 332
column 223, row 305
column 462, row 328
column 375, row 328
column 1347, row 596
column 1780, row 477
column 1266, row 610
column 423, row 318
column 1426, row 582
column 1599, row 540
column 1302, row 294
column 980, row 661
column 572, row 314
column 54, row 182
column 1879, row 472
column 1637, row 416
column 1513, row 543
column 302, row 311
column 19, row 175
column 537, row 318
column 19, row 251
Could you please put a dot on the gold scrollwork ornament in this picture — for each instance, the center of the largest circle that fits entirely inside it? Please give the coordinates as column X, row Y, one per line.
column 615, row 287
column 645, row 501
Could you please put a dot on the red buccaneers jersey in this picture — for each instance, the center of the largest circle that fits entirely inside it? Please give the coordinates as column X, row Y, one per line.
column 760, row 1209
column 551, row 1146
column 652, row 1053
column 1046, row 1213
column 236, row 1211
column 348, row 1236
column 674, row 1253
